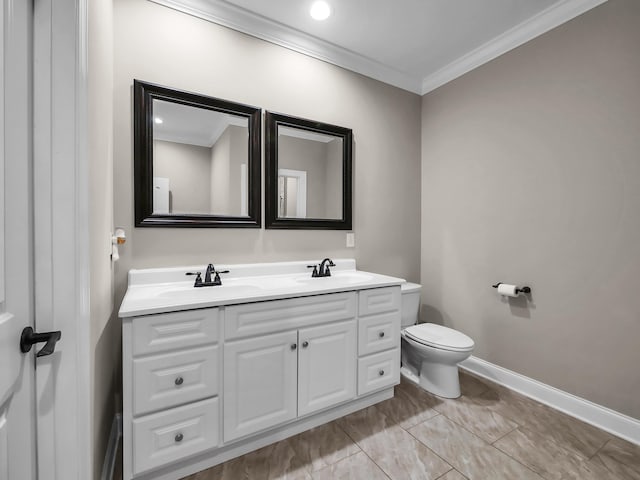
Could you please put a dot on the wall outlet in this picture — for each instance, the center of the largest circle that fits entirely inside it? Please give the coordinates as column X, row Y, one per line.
column 351, row 240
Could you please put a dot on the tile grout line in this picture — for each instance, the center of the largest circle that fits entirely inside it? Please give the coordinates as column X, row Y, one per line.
column 558, row 445
column 362, row 450
column 454, row 470
column 311, row 470
column 429, row 448
column 485, row 442
column 515, row 459
column 599, row 449
column 534, row 428
column 448, row 472
column 506, row 434
column 472, row 433
column 582, row 459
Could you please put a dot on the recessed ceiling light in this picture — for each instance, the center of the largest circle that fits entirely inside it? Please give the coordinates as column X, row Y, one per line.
column 320, row 10
column 158, row 120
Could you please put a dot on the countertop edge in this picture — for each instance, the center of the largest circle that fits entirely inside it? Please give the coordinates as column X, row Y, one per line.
column 124, row 313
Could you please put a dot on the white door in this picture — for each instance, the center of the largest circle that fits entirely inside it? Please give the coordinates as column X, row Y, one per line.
column 259, row 383
column 326, row 366
column 17, row 371
column 161, row 195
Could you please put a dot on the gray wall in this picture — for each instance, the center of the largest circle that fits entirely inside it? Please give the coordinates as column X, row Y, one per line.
column 105, row 328
column 531, row 174
column 188, row 168
column 333, row 188
column 308, row 156
column 159, row 45
column 229, row 152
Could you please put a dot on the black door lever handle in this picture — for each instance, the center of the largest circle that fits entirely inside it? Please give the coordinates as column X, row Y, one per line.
column 29, row 337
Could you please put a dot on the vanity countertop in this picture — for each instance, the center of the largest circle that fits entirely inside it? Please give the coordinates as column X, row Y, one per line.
column 161, row 290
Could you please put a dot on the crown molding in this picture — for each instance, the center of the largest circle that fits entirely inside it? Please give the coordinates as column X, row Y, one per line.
column 236, row 18
column 535, row 26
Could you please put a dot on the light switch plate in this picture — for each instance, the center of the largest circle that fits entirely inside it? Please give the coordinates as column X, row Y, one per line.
column 351, row 240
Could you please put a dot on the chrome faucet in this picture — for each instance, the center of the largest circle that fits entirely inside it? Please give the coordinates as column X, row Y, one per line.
column 322, row 270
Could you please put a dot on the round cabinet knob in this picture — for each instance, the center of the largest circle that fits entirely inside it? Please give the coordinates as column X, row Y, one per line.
column 381, row 372
column 179, row 437
column 305, row 344
column 179, row 381
column 381, row 334
column 293, row 346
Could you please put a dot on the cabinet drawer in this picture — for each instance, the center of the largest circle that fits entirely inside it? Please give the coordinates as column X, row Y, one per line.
column 378, row 371
column 175, row 378
column 278, row 315
column 174, row 434
column 379, row 300
column 169, row 331
column 378, row 332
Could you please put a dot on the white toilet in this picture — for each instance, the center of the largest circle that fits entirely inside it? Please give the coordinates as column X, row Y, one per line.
column 430, row 352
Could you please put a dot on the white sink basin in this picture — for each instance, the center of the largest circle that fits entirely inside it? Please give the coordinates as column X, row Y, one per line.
column 165, row 290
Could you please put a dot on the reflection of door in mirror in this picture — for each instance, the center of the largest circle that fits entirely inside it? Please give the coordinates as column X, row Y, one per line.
column 161, row 195
column 201, row 153
column 292, row 193
column 319, row 156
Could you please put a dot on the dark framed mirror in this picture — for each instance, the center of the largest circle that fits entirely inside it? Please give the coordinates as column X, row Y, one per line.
column 308, row 174
column 196, row 160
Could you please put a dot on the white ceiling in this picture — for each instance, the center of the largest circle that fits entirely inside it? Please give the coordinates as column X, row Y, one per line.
column 191, row 125
column 416, row 45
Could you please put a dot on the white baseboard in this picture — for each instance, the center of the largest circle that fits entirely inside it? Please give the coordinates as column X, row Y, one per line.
column 602, row 417
column 109, row 464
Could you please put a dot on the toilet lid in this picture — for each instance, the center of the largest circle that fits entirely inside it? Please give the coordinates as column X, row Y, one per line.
column 439, row 337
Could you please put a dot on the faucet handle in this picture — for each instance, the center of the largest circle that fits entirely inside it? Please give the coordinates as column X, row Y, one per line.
column 314, row 274
column 198, row 275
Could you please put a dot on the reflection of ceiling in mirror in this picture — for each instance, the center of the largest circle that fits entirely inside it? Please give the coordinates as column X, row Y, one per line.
column 191, row 125
column 305, row 134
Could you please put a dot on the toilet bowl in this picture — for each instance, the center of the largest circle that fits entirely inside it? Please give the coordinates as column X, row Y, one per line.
column 430, row 352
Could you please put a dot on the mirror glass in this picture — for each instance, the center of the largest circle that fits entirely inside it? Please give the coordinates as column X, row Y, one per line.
column 197, row 159
column 308, row 167
column 309, row 174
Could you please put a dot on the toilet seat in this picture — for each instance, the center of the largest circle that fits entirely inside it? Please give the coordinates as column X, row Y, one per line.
column 438, row 336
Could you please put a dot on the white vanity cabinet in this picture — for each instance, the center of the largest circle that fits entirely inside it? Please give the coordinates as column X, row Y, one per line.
column 260, row 383
column 275, row 378
column 378, row 338
column 272, row 378
column 170, row 386
column 206, row 385
column 326, row 366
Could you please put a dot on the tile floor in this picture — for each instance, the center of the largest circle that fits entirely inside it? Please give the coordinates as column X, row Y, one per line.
column 489, row 433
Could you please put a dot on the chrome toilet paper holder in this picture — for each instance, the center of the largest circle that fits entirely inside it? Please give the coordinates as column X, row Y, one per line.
column 518, row 289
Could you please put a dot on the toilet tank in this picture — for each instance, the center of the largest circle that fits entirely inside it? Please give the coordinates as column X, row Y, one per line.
column 410, row 303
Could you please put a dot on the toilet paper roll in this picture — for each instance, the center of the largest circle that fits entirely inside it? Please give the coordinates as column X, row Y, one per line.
column 507, row 290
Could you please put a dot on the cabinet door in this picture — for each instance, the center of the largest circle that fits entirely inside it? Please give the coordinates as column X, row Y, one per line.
column 259, row 383
column 326, row 366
